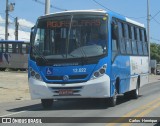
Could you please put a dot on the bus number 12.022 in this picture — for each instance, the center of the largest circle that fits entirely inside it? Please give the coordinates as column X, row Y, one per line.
column 79, row 70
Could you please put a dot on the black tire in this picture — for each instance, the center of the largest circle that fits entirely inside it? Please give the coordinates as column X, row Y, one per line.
column 2, row 69
column 113, row 99
column 14, row 69
column 134, row 94
column 47, row 103
column 23, row 69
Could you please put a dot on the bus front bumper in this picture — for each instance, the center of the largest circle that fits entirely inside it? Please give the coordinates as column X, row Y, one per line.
column 95, row 88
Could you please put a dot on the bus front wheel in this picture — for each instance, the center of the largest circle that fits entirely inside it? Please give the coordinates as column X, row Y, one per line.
column 47, row 103
column 113, row 99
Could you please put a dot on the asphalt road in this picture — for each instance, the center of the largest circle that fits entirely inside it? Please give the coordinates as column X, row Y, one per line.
column 147, row 105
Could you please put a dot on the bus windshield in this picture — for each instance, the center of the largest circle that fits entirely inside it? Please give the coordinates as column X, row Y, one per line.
column 73, row 36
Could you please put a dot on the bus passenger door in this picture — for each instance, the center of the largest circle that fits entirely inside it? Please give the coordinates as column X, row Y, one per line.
column 114, row 54
column 114, row 41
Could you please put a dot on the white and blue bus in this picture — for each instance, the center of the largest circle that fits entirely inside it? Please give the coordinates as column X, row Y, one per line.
column 87, row 54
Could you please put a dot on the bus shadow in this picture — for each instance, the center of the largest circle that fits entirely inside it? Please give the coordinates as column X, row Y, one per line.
column 81, row 104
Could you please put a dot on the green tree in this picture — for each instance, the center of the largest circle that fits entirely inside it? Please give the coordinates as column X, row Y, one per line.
column 155, row 51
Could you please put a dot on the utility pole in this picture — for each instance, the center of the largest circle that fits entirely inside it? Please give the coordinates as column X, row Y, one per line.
column 148, row 29
column 16, row 28
column 6, row 24
column 9, row 8
column 47, row 7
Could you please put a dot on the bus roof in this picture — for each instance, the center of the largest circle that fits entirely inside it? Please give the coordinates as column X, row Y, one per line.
column 82, row 11
column 74, row 11
column 96, row 11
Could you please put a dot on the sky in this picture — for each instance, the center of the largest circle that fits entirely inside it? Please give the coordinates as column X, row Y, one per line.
column 28, row 11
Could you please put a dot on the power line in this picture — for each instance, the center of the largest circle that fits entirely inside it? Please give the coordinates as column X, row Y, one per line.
column 116, row 12
column 155, row 20
column 57, row 8
column 11, row 16
column 42, row 3
column 21, row 29
column 155, row 15
column 102, row 5
column 19, row 24
column 155, row 39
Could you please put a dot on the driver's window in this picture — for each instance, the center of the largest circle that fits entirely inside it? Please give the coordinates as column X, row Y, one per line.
column 39, row 40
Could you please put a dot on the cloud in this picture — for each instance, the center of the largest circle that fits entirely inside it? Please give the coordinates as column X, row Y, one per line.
column 25, row 23
column 25, row 36
column 22, row 35
column 1, row 19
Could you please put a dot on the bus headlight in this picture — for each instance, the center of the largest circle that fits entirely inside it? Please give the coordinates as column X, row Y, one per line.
column 102, row 71
column 96, row 74
column 38, row 77
column 99, row 72
column 35, row 75
column 32, row 73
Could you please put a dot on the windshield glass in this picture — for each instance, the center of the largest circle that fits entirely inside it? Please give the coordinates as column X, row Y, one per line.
column 71, row 36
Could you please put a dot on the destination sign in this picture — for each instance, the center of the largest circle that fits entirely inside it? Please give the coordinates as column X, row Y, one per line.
column 57, row 24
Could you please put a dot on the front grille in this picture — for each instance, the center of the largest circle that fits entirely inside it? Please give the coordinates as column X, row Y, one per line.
column 71, row 77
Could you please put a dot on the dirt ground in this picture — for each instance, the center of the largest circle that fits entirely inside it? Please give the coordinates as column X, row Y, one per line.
column 14, row 86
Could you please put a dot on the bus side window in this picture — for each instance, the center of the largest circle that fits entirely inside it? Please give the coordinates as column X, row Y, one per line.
column 4, row 48
column 139, row 43
column 20, row 47
column 145, row 47
column 145, row 35
column 121, row 37
column 10, row 48
column 114, row 40
column 16, row 48
column 128, row 42
column 114, row 31
column 134, row 43
column 24, row 48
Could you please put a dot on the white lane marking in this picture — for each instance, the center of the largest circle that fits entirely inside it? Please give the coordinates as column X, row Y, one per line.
column 12, row 114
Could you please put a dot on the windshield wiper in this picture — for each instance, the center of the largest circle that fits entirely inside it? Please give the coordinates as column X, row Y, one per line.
column 39, row 55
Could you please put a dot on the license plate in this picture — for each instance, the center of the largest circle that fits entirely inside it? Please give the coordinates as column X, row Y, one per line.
column 65, row 92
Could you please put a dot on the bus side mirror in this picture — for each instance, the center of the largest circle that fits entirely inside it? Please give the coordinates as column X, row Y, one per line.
column 114, row 31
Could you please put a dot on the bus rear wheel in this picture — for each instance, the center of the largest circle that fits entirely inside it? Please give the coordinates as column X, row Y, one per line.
column 47, row 103
column 134, row 93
